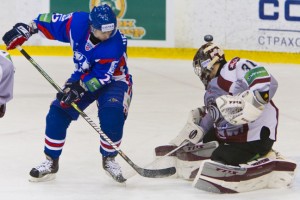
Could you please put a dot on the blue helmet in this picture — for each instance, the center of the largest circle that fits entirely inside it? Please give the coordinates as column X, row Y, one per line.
column 103, row 18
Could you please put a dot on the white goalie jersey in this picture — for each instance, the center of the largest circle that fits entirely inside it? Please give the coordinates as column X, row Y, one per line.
column 237, row 76
column 6, row 77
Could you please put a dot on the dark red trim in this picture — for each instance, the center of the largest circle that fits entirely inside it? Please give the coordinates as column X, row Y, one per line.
column 45, row 32
column 223, row 83
column 105, row 61
column 252, row 172
column 107, row 146
column 54, row 144
column 261, row 80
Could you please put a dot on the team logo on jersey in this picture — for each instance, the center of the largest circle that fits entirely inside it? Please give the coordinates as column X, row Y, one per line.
column 232, row 64
column 256, row 73
column 81, row 62
column 89, row 46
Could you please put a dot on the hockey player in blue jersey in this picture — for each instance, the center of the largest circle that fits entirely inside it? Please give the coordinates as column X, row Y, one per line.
column 101, row 75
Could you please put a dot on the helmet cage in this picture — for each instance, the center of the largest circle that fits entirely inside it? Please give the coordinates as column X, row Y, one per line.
column 204, row 60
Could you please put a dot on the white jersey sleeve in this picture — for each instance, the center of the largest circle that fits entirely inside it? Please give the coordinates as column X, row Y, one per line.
column 6, row 77
column 245, row 74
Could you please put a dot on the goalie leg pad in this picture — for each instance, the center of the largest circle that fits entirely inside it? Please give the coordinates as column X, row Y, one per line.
column 187, row 159
column 187, row 152
column 190, row 132
column 263, row 173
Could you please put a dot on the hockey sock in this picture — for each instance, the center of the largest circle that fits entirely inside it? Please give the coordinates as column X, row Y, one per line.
column 57, row 122
column 111, row 121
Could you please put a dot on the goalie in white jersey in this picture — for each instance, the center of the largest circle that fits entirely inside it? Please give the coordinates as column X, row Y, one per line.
column 236, row 126
column 241, row 115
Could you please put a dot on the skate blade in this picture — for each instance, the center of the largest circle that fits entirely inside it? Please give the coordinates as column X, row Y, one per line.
column 123, row 182
column 48, row 177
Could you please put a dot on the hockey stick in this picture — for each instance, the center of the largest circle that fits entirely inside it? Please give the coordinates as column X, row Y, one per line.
column 150, row 173
column 161, row 158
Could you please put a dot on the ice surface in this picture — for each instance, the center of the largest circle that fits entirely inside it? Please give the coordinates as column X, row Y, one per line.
column 164, row 92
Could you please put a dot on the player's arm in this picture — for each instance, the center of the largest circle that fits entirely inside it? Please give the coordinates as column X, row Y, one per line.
column 248, row 105
column 260, row 82
column 91, row 81
column 53, row 26
column 100, row 74
column 81, row 82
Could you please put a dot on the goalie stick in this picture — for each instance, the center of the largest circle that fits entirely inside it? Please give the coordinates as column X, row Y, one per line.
column 150, row 173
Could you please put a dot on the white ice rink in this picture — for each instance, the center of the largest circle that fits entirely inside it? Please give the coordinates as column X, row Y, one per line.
column 164, row 92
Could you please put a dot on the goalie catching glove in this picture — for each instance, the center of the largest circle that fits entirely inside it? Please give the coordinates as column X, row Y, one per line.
column 72, row 92
column 191, row 131
column 240, row 109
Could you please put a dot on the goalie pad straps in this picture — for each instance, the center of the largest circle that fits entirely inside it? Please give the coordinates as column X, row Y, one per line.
column 190, row 132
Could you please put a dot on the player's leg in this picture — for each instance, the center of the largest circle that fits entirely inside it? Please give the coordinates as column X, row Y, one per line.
column 239, row 153
column 113, row 107
column 57, row 123
column 211, row 136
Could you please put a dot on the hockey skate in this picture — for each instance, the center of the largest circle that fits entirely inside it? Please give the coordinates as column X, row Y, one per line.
column 113, row 169
column 45, row 171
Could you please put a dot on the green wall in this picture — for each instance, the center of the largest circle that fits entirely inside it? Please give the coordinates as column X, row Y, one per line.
column 141, row 20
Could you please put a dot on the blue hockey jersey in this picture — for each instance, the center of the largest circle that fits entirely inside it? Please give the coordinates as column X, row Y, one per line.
column 96, row 65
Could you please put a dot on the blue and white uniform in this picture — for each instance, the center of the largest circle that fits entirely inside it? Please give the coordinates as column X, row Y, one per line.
column 101, row 67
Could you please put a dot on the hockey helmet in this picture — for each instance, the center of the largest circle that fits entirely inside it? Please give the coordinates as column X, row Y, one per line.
column 104, row 19
column 205, row 59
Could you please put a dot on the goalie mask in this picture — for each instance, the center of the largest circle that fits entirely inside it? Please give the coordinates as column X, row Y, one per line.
column 204, row 62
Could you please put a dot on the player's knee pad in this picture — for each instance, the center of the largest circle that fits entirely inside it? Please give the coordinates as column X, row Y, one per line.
column 112, row 121
column 57, row 122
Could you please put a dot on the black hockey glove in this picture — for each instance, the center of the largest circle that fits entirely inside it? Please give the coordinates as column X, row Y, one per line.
column 72, row 92
column 18, row 35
